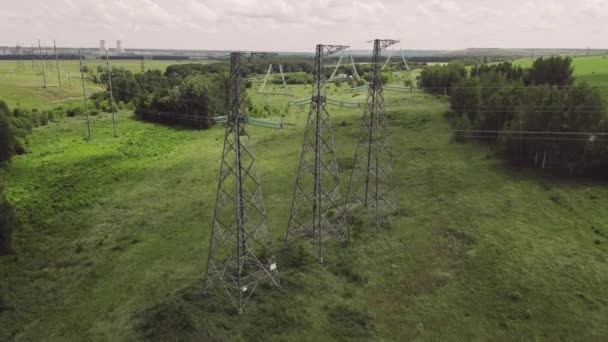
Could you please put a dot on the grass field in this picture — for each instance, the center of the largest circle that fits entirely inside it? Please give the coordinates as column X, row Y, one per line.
column 23, row 86
column 115, row 233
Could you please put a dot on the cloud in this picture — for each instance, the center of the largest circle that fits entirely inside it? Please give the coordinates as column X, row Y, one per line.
column 300, row 24
column 436, row 7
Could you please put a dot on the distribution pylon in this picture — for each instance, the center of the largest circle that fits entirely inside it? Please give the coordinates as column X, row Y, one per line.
column 316, row 210
column 239, row 251
column 372, row 184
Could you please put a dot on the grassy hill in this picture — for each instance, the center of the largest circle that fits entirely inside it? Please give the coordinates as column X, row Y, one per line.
column 114, row 239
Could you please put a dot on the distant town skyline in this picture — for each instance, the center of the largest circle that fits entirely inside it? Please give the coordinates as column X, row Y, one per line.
column 284, row 25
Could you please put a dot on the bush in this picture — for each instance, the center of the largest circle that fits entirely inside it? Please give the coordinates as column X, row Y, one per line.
column 6, row 224
column 497, row 101
column 72, row 112
column 554, row 70
column 6, row 134
column 440, row 78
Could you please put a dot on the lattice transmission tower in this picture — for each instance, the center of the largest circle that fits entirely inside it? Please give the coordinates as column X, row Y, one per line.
column 372, row 185
column 316, row 210
column 239, row 251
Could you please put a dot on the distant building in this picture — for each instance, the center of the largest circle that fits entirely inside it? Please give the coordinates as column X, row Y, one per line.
column 119, row 49
column 102, row 47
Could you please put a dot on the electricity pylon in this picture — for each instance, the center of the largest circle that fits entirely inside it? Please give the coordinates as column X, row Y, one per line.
column 239, row 250
column 372, row 185
column 316, row 209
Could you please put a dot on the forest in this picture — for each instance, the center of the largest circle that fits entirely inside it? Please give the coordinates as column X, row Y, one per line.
column 538, row 116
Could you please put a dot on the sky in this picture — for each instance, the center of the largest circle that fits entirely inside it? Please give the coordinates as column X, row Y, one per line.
column 298, row 25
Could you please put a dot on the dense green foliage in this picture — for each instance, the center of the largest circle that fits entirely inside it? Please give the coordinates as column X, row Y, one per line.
column 183, row 70
column 192, row 102
column 497, row 100
column 505, row 69
column 186, row 94
column 16, row 125
column 6, row 227
column 553, row 70
column 294, row 78
column 440, row 78
column 6, row 134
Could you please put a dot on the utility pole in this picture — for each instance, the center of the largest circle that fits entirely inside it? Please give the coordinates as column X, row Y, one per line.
column 57, row 63
column 239, row 249
column 20, row 63
column 111, row 94
column 372, row 184
column 84, row 94
column 43, row 71
column 316, row 209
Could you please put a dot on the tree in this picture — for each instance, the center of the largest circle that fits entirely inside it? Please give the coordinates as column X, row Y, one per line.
column 496, row 100
column 6, row 134
column 6, row 224
column 551, row 71
column 440, row 78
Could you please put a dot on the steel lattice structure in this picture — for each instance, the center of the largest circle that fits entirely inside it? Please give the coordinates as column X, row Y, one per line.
column 372, row 184
column 239, row 251
column 316, row 210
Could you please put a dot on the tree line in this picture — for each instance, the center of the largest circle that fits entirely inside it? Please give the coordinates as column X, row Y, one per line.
column 538, row 116
column 186, row 94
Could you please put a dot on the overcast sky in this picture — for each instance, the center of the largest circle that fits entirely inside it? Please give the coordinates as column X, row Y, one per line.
column 297, row 25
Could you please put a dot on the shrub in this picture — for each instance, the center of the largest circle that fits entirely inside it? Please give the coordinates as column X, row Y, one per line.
column 6, row 134
column 72, row 112
column 6, row 224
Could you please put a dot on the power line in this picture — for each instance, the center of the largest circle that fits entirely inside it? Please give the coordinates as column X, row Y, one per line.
column 518, row 106
column 57, row 64
column 507, row 131
column 43, row 71
column 525, row 137
column 523, row 87
column 530, row 138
